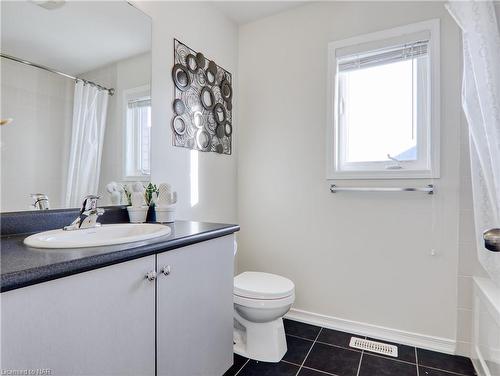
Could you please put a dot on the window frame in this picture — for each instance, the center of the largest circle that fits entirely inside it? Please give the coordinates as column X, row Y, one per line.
column 136, row 93
column 426, row 168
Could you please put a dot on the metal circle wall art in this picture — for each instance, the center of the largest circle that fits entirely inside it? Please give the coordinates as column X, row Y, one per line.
column 220, row 76
column 200, row 59
column 198, row 120
column 212, row 67
column 211, row 124
column 203, row 140
column 181, row 77
column 190, row 131
column 179, row 106
column 220, row 114
column 228, row 129
column 191, row 98
column 191, row 63
column 211, row 72
column 210, row 77
column 207, row 98
column 179, row 125
column 219, row 131
column 226, row 91
column 202, row 102
column 201, row 78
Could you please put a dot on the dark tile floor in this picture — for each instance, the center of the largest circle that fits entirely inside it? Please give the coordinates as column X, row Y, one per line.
column 316, row 351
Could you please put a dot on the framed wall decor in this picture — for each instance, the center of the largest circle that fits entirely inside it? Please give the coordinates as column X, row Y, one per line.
column 202, row 106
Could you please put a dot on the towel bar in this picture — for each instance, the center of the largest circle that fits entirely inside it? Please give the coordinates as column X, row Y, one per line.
column 428, row 189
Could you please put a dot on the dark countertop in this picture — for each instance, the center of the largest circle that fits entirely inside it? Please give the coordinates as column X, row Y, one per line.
column 24, row 266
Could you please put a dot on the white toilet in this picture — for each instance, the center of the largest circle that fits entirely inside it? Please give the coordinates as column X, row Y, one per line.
column 260, row 302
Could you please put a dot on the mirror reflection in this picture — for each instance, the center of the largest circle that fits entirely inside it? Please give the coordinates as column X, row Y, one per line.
column 75, row 102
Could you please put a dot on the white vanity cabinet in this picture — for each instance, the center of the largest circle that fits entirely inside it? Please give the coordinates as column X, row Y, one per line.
column 116, row 321
column 195, row 309
column 100, row 322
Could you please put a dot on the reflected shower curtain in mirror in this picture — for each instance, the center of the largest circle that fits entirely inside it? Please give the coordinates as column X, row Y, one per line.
column 481, row 104
column 87, row 135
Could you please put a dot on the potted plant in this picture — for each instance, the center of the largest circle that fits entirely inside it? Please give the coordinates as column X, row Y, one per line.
column 136, row 200
column 150, row 195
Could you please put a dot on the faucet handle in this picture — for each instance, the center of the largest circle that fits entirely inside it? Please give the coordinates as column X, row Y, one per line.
column 92, row 197
column 40, row 201
column 90, row 202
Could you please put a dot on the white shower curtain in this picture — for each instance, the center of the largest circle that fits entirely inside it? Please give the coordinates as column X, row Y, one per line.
column 87, row 135
column 481, row 103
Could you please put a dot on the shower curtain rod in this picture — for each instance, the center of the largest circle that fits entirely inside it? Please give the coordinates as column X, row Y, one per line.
column 13, row 58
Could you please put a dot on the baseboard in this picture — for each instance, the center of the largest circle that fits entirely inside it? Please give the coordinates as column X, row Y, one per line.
column 479, row 363
column 444, row 345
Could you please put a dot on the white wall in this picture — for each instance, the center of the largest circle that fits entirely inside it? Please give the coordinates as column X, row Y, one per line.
column 33, row 160
column 357, row 256
column 202, row 27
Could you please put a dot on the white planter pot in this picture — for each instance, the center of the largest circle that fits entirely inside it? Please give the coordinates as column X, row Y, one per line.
column 165, row 214
column 137, row 214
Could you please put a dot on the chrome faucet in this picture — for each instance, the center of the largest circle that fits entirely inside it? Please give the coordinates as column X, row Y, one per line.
column 40, row 201
column 89, row 213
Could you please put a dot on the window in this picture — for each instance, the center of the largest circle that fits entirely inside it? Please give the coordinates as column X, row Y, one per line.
column 384, row 104
column 137, row 111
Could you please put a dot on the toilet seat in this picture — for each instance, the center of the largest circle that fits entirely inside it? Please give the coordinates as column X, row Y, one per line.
column 262, row 286
column 263, row 303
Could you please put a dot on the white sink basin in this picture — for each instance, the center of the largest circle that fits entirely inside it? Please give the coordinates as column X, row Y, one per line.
column 98, row 236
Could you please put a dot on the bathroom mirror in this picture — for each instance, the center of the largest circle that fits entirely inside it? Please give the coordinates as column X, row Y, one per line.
column 75, row 102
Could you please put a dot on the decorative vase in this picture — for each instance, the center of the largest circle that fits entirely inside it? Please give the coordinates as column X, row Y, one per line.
column 151, row 214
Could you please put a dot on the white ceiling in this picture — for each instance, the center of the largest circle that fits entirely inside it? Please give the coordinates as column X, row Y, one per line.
column 75, row 38
column 243, row 12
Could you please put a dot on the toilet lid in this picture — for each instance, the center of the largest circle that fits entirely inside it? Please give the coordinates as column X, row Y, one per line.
column 258, row 285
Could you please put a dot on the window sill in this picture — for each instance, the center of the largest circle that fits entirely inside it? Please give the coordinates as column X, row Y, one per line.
column 143, row 178
column 376, row 175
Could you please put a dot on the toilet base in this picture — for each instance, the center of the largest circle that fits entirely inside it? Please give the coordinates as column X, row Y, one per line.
column 265, row 342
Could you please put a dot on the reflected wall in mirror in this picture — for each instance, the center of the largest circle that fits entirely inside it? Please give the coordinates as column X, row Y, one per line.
column 75, row 102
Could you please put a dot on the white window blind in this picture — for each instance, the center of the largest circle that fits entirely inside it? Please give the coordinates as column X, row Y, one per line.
column 384, row 56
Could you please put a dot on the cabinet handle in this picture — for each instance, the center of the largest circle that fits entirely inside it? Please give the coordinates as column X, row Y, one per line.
column 151, row 276
column 166, row 270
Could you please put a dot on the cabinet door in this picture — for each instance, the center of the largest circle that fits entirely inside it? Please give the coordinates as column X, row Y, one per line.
column 100, row 322
column 195, row 309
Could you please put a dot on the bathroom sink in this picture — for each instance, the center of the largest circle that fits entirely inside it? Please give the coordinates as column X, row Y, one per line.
column 97, row 236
